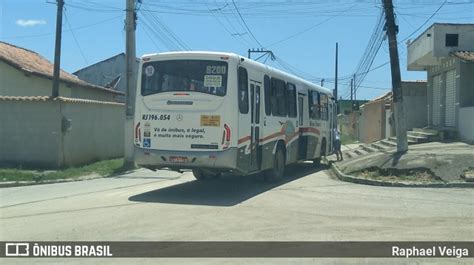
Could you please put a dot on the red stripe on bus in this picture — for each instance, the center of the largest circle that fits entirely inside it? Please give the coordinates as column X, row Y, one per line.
column 294, row 135
column 244, row 139
column 274, row 135
column 310, row 129
column 271, row 136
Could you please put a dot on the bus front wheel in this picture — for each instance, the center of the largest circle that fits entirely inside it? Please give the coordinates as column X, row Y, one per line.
column 278, row 168
column 200, row 174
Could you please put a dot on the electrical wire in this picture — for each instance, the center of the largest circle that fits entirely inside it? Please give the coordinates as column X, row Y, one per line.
column 74, row 37
column 246, row 26
column 424, row 23
column 53, row 33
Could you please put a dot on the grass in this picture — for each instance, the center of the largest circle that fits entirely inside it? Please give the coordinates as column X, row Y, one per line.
column 102, row 168
column 347, row 139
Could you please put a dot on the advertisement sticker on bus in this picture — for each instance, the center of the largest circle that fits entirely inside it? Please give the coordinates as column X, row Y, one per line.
column 212, row 80
column 149, row 70
column 211, row 120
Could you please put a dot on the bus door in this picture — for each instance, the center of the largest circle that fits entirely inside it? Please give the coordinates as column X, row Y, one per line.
column 331, row 125
column 255, row 149
column 303, row 140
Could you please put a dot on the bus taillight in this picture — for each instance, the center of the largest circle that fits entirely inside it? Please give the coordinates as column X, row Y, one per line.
column 138, row 134
column 226, row 136
column 227, row 133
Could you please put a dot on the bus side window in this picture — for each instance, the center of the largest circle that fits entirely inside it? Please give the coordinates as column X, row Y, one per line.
column 273, row 99
column 268, row 95
column 324, row 107
column 314, row 101
column 291, row 96
column 318, row 107
column 243, row 90
column 279, row 107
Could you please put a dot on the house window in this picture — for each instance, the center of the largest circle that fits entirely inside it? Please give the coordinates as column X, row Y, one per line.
column 452, row 40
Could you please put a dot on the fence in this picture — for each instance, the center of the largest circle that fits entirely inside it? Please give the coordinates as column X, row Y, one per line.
column 51, row 133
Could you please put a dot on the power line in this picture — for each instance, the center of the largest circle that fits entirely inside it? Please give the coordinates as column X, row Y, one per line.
column 163, row 32
column 424, row 23
column 52, row 33
column 245, row 24
column 310, row 28
column 75, row 39
column 370, row 52
column 236, row 36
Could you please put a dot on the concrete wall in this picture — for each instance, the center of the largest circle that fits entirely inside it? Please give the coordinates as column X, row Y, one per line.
column 465, row 40
column 429, row 48
column 96, row 132
column 420, row 50
column 466, row 126
column 14, row 82
column 415, row 104
column 31, row 133
column 466, row 84
column 372, row 122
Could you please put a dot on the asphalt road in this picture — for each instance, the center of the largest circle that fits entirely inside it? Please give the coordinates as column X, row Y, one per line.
column 308, row 205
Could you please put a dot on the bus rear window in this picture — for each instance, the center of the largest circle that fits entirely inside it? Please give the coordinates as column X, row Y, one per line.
column 203, row 76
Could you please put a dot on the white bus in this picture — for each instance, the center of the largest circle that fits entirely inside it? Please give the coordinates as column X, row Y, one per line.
column 220, row 113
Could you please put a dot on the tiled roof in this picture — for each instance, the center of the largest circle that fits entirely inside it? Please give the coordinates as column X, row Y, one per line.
column 32, row 63
column 464, row 55
column 62, row 99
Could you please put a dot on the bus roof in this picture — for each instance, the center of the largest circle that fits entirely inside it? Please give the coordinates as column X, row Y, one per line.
column 238, row 57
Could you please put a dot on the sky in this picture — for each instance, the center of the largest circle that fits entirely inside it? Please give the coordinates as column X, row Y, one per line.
column 301, row 33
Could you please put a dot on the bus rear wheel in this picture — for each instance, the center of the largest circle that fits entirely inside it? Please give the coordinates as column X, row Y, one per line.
column 200, row 174
column 278, row 168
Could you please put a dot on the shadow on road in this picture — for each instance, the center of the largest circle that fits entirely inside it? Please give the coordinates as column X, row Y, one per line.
column 224, row 191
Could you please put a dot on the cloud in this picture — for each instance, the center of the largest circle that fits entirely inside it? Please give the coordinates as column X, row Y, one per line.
column 30, row 22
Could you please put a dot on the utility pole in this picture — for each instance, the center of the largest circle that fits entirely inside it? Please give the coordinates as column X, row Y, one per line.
column 392, row 30
column 335, row 81
column 57, row 48
column 352, row 94
column 354, row 104
column 130, row 58
column 250, row 51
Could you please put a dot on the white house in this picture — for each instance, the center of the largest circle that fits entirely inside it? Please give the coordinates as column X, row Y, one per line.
column 27, row 73
column 84, row 124
column 446, row 52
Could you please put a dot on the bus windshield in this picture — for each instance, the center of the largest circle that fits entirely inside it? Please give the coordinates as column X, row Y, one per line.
column 184, row 75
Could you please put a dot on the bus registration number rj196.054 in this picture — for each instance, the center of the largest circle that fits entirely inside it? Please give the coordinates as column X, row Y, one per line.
column 156, row 117
column 178, row 159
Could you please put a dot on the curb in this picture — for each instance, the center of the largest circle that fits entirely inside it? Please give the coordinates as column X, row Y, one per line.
column 10, row 184
column 349, row 178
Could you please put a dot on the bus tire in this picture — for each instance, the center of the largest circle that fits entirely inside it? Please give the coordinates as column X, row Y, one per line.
column 200, row 174
column 278, row 168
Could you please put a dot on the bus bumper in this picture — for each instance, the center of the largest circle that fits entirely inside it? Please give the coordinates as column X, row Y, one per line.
column 177, row 160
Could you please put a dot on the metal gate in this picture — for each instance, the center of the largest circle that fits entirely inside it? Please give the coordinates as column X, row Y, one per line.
column 450, row 107
column 436, row 110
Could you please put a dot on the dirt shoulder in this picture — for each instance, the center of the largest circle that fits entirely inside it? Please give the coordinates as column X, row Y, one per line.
column 423, row 164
